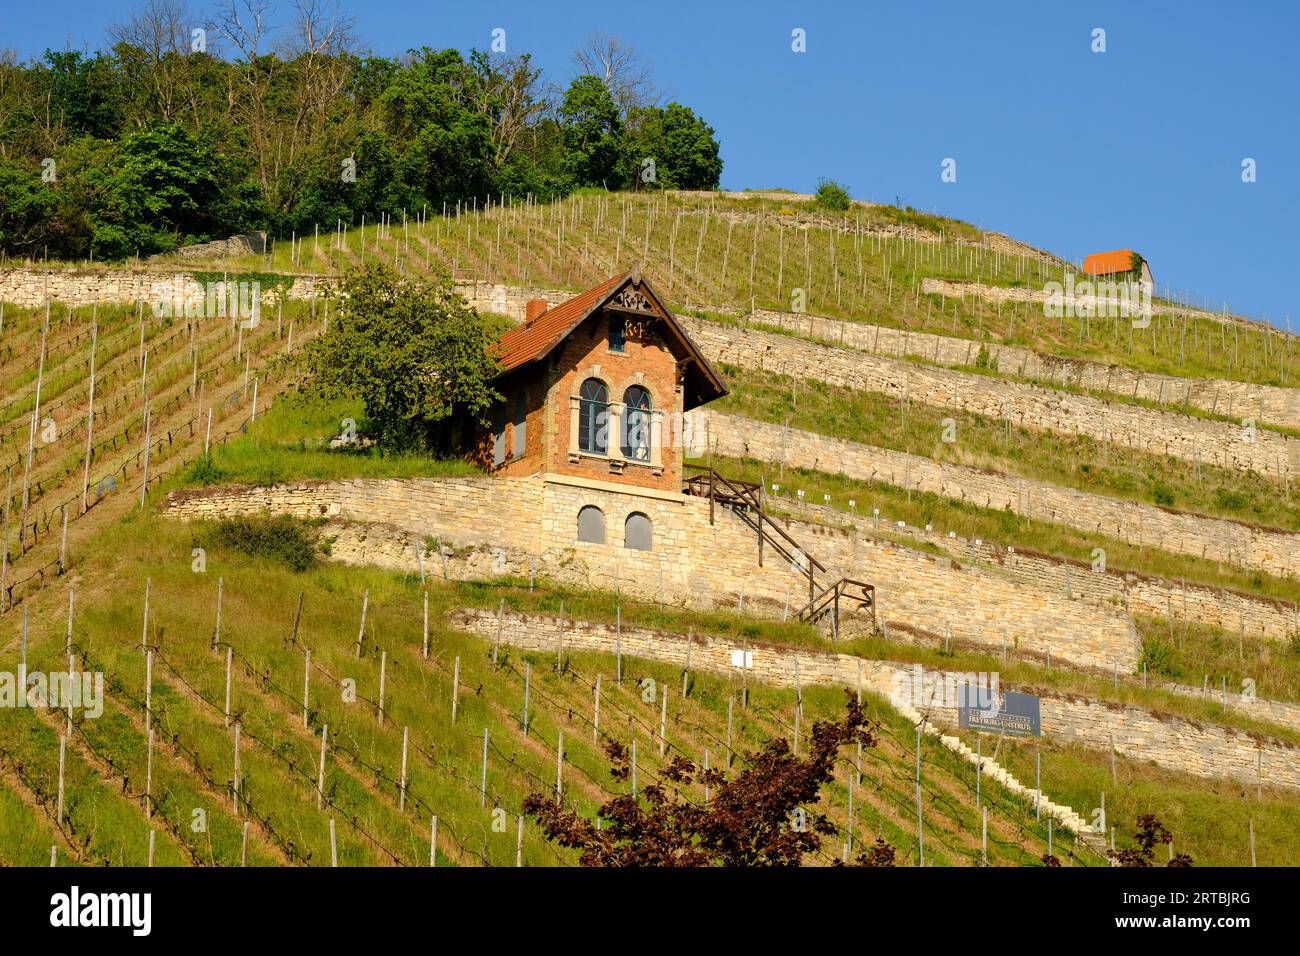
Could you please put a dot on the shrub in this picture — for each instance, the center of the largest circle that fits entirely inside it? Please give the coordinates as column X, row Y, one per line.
column 204, row 471
column 1230, row 500
column 832, row 195
column 276, row 537
column 1158, row 658
column 1162, row 494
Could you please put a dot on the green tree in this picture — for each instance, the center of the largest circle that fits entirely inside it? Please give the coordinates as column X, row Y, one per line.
column 832, row 195
column 593, row 134
column 445, row 144
column 163, row 187
column 413, row 351
column 683, row 146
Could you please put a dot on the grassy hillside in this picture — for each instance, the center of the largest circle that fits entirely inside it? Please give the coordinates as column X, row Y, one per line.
column 194, row 762
column 866, row 264
column 709, row 254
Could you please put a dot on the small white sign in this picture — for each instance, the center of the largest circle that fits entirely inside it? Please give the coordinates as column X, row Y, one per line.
column 743, row 659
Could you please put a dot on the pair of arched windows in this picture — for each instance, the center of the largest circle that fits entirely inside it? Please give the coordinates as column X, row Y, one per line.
column 638, row 532
column 593, row 420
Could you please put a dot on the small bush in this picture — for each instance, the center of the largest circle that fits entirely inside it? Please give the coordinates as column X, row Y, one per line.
column 832, row 195
column 204, row 471
column 275, row 537
column 1158, row 657
column 1162, row 494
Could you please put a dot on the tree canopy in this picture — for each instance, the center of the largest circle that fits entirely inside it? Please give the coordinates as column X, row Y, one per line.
column 162, row 139
column 412, row 350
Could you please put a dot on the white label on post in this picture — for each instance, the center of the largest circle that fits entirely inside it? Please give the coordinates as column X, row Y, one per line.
column 742, row 659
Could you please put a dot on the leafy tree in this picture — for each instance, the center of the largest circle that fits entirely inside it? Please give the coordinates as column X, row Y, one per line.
column 832, row 195
column 447, row 143
column 28, row 220
column 759, row 817
column 412, row 350
column 682, row 145
column 82, row 93
column 593, row 134
column 1151, row 833
column 158, row 144
column 164, row 186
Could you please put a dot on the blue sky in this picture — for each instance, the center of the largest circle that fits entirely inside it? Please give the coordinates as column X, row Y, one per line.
column 1140, row 146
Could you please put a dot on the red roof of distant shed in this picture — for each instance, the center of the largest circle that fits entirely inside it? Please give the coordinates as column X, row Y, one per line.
column 1108, row 263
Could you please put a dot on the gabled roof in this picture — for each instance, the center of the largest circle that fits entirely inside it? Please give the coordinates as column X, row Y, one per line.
column 1108, row 263
column 535, row 340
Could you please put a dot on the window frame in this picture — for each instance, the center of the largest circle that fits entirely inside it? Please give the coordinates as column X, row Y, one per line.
column 642, row 415
column 590, row 423
column 619, row 322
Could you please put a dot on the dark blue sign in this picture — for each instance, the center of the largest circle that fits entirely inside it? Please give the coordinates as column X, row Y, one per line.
column 1005, row 713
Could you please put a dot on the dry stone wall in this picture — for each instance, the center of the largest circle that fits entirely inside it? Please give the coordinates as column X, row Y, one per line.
column 1217, row 539
column 1157, row 432
column 1171, row 742
column 1139, row 594
column 1240, row 400
column 497, row 526
column 954, row 289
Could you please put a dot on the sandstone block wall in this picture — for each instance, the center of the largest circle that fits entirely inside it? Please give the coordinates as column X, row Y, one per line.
column 1158, row 432
column 1171, row 742
column 1217, row 539
column 497, row 526
column 1241, row 400
column 1138, row 593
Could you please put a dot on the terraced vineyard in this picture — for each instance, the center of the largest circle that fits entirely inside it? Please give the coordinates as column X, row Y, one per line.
column 114, row 796
column 1202, row 615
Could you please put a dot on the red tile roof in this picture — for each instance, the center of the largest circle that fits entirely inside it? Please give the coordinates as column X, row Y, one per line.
column 1108, row 263
column 535, row 340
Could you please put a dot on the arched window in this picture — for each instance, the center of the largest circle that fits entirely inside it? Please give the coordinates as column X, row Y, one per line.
column 638, row 533
column 636, row 424
column 593, row 416
column 591, row 525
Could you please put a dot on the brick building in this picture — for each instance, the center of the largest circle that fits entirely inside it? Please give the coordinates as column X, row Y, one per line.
column 595, row 387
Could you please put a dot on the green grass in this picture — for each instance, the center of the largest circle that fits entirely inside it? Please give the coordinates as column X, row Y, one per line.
column 1072, row 461
column 279, row 757
column 291, row 443
column 604, row 231
column 1210, row 819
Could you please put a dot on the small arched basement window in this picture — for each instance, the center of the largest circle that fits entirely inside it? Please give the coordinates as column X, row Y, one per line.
column 638, row 532
column 591, row 525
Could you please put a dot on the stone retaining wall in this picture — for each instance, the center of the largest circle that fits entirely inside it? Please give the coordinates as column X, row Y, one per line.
column 1240, row 400
column 1167, row 741
column 1216, row 539
column 1154, row 431
column 1140, row 594
column 497, row 526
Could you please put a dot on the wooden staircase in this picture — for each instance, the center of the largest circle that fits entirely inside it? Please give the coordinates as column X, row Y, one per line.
column 745, row 499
